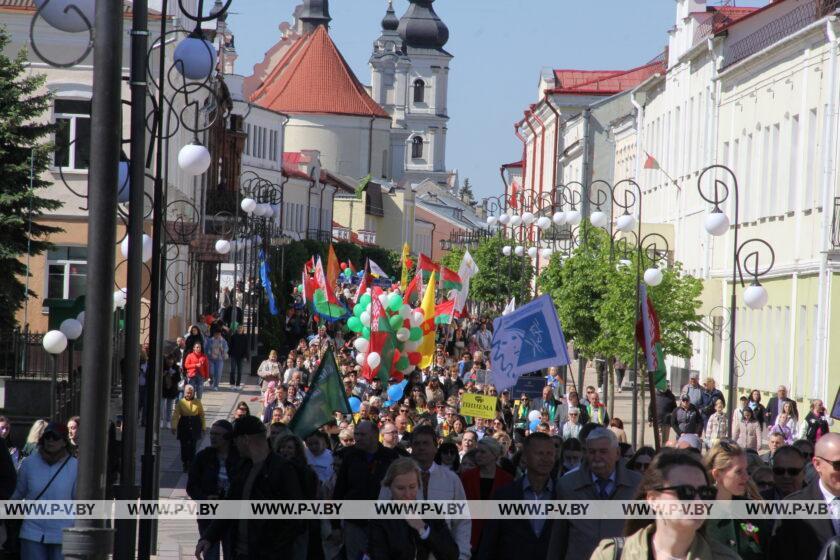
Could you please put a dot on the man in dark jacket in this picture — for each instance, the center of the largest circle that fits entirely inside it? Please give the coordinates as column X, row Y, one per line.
column 238, row 352
column 523, row 538
column 262, row 475
column 666, row 402
column 360, row 478
column 774, row 405
column 804, row 538
column 686, row 418
column 710, row 396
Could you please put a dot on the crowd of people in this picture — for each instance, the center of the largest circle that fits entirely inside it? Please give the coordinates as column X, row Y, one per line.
column 410, row 441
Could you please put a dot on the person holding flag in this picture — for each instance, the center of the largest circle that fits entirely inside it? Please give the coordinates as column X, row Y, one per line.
column 427, row 343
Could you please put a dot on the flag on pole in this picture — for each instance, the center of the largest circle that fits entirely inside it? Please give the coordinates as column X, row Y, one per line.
column 449, row 280
column 376, row 270
column 425, row 265
column 427, row 343
column 360, row 187
column 266, row 282
column 306, row 282
column 325, row 303
column 510, row 307
column 514, row 191
column 649, row 336
column 444, row 312
column 325, row 398
column 404, row 263
column 466, row 271
column 382, row 341
column 332, row 267
column 364, row 284
column 412, row 291
column 652, row 163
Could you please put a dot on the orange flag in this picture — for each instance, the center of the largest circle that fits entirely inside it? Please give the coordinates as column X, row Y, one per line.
column 332, row 268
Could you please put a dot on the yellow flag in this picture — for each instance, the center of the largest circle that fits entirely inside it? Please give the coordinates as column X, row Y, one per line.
column 404, row 275
column 427, row 343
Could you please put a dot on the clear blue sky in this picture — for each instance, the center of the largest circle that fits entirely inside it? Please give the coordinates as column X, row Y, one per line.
column 500, row 46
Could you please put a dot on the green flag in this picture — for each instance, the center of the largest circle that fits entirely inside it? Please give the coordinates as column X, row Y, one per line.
column 361, row 186
column 325, row 398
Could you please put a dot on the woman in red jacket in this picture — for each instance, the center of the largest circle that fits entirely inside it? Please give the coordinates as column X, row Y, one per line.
column 198, row 369
column 481, row 482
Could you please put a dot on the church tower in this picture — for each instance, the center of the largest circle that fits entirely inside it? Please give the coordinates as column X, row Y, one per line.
column 410, row 74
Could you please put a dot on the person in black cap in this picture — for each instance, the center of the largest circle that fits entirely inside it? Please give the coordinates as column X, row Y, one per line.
column 262, row 475
column 686, row 418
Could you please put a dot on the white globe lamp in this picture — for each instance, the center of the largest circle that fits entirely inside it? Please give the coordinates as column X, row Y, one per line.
column 504, row 219
column 64, row 14
column 248, row 205
column 54, row 342
column 533, row 252
column 120, row 299
column 625, row 223
column 194, row 159
column 544, row 223
column 515, row 220
column 519, row 250
column 546, row 253
column 716, row 223
column 195, row 58
column 223, row 246
column 491, row 221
column 573, row 217
column 71, row 328
column 147, row 247
column 755, row 296
column 123, row 183
column 506, row 250
column 599, row 219
column 559, row 218
column 653, row 277
column 528, row 218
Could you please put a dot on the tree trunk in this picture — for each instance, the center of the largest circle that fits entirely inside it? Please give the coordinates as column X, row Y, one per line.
column 611, row 385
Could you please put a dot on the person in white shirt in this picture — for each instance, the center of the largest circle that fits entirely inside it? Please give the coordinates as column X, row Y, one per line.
column 319, row 456
column 438, row 483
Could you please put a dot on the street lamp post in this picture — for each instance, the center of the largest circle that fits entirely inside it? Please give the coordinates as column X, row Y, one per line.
column 54, row 342
column 755, row 296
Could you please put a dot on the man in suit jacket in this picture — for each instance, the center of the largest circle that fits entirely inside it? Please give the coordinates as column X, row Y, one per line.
column 774, row 405
column 804, row 538
column 601, row 477
column 503, row 539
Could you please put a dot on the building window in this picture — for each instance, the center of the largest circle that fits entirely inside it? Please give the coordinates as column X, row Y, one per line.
column 416, row 148
column 72, row 135
column 66, row 272
column 419, row 91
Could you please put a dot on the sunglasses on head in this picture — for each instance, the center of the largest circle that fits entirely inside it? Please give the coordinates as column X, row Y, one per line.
column 790, row 471
column 834, row 464
column 686, row 492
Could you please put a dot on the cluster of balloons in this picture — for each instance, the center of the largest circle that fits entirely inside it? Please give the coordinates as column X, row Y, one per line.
column 404, row 321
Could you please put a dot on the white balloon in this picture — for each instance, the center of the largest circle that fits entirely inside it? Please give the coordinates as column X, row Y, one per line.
column 361, row 345
column 625, row 223
column 223, row 246
column 599, row 219
column 147, row 247
column 405, row 311
column 373, row 360
column 716, row 223
column 54, row 342
column 412, row 346
column 559, row 218
column 519, row 250
column 504, row 219
column 365, row 318
column 506, row 250
column 653, row 277
column 120, row 298
column 361, row 358
column 528, row 218
column 62, row 14
column 194, row 159
column 403, row 334
column 248, row 205
column 71, row 328
column 417, row 318
column 573, row 217
column 532, row 252
column 755, row 296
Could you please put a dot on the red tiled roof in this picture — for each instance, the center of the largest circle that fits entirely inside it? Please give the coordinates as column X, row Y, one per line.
column 313, row 77
column 724, row 16
column 604, row 82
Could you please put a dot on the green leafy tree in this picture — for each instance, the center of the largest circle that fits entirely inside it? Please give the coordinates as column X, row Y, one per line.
column 23, row 143
column 452, row 259
column 466, row 191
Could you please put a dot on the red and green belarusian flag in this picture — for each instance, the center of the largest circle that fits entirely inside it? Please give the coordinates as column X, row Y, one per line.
column 449, row 280
column 412, row 292
column 426, row 266
column 444, row 312
column 382, row 341
column 649, row 337
column 365, row 283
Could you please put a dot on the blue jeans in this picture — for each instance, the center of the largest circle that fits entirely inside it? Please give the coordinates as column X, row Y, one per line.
column 198, row 384
column 31, row 550
column 235, row 371
column 216, row 367
column 166, row 407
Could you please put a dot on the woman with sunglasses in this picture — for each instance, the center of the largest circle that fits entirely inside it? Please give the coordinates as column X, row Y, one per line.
column 727, row 464
column 447, row 456
column 641, row 459
column 672, row 476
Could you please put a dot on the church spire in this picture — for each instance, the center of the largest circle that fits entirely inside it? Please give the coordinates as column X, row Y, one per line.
column 420, row 27
column 314, row 14
column 390, row 22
